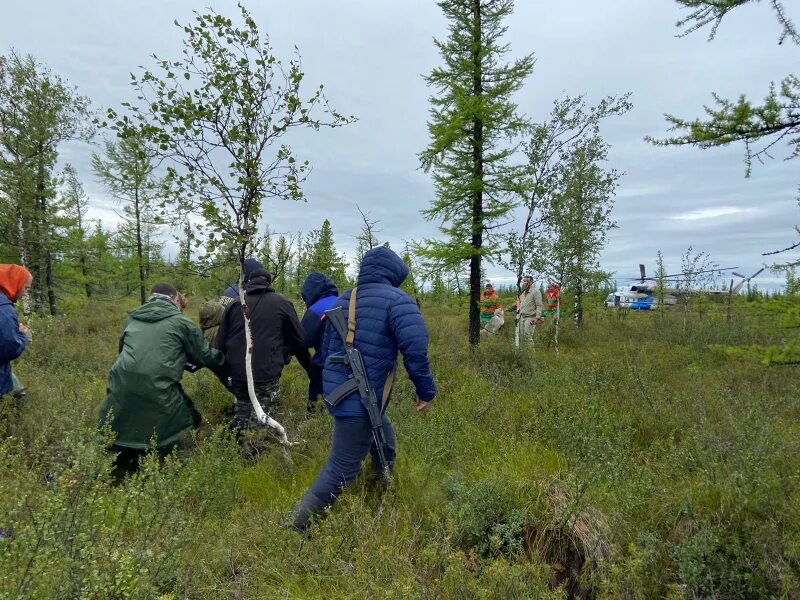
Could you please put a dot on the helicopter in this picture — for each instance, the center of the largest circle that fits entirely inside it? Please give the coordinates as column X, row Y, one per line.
column 641, row 294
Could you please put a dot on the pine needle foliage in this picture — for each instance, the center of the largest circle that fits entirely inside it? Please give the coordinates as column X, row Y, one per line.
column 474, row 126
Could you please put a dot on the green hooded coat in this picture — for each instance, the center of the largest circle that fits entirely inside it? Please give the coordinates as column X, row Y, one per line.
column 144, row 386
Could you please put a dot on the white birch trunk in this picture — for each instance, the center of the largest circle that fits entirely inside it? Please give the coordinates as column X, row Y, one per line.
column 263, row 417
column 558, row 321
column 23, row 256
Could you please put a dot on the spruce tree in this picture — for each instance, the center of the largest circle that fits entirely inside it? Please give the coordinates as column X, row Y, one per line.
column 320, row 255
column 473, row 126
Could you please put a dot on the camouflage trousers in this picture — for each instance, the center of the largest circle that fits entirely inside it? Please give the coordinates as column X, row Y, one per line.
column 268, row 396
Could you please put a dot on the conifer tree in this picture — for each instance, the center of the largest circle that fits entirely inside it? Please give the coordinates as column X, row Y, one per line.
column 473, row 124
column 127, row 171
column 319, row 254
column 76, row 205
column 38, row 112
column 760, row 127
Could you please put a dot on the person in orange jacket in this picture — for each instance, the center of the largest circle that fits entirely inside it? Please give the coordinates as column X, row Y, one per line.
column 489, row 302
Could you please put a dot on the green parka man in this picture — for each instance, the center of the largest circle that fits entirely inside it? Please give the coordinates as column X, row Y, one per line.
column 144, row 396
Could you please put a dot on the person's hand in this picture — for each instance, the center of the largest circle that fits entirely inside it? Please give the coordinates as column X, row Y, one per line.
column 538, row 320
column 23, row 329
column 422, row 406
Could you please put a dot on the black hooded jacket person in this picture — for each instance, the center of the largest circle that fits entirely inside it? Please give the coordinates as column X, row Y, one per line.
column 319, row 293
column 251, row 265
column 277, row 335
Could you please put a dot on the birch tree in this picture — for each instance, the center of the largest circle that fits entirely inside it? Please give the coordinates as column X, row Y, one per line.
column 580, row 218
column 220, row 116
column 570, row 122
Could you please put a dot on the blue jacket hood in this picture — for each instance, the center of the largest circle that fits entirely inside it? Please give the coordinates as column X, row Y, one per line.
column 382, row 265
column 317, row 286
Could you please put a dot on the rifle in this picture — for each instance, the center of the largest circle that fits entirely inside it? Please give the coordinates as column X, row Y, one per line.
column 357, row 381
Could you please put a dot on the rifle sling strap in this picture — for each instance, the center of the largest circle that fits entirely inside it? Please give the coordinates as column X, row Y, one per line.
column 351, row 318
column 348, row 388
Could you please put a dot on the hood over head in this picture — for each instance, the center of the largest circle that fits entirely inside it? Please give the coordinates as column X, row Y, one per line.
column 317, row 286
column 250, row 266
column 12, row 279
column 382, row 265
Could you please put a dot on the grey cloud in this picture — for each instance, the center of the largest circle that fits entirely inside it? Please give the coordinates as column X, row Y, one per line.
column 371, row 55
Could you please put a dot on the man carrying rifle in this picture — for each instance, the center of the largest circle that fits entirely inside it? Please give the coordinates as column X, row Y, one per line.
column 367, row 326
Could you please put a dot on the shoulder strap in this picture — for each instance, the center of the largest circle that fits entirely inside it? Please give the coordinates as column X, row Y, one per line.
column 351, row 319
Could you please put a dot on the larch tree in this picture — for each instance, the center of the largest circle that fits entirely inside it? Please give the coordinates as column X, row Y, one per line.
column 474, row 128
column 320, row 255
column 366, row 239
column 38, row 112
column 76, row 206
column 127, row 170
column 219, row 116
column 762, row 127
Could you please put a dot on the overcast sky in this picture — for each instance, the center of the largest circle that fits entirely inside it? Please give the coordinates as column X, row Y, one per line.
column 370, row 54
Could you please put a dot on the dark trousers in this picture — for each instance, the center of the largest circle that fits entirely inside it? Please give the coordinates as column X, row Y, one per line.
column 127, row 460
column 352, row 441
column 268, row 395
column 314, row 386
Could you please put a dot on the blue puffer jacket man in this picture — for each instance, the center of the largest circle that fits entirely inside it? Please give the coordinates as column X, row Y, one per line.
column 387, row 320
column 319, row 293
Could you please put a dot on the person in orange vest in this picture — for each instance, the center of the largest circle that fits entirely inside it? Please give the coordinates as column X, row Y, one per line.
column 489, row 303
column 552, row 308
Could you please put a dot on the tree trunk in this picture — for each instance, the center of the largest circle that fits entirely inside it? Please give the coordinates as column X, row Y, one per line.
column 578, row 302
column 23, row 257
column 558, row 321
column 248, row 362
column 188, row 256
column 477, row 175
column 139, row 255
column 40, row 226
column 51, row 293
column 298, row 274
column 82, row 255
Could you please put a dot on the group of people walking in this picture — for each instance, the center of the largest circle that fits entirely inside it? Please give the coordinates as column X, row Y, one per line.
column 147, row 408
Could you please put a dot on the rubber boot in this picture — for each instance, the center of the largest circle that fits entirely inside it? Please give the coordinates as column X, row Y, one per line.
column 309, row 505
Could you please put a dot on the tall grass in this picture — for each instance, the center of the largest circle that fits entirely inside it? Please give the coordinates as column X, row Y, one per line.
column 639, row 463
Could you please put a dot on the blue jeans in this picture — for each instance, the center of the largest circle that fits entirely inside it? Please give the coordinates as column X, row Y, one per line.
column 352, row 441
